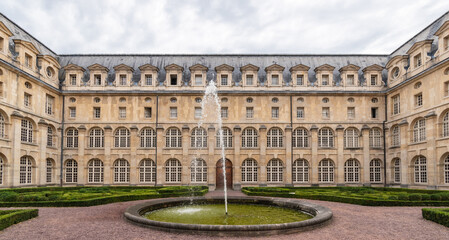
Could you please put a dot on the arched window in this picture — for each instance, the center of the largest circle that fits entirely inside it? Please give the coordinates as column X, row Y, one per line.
column 249, row 138
column 96, row 138
column 352, row 171
column 173, row 170
column 72, row 138
column 1, row 169
column 420, row 169
column 26, row 170
column 198, row 138
column 419, row 130
column 275, row 138
column 227, row 138
column 147, row 171
column 397, row 170
column 2, row 126
column 326, row 171
column 375, row 171
column 122, row 138
column 95, row 171
column 300, row 171
column 198, row 171
column 71, row 171
column 121, row 171
column 147, row 138
column 351, row 138
column 325, row 138
column 445, row 125
column 446, row 170
column 395, row 136
column 49, row 173
column 49, row 136
column 26, row 131
column 173, row 138
column 375, row 138
column 249, row 170
column 275, row 171
column 300, row 138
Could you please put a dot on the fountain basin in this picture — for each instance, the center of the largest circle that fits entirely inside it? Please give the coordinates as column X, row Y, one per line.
column 320, row 215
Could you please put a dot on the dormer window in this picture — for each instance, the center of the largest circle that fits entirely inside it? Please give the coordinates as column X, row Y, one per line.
column 324, row 79
column 123, row 80
column 2, row 42
column 373, row 81
column 73, row 79
column 173, row 79
column 350, row 80
column 198, row 80
column 224, row 80
column 395, row 72
column 417, row 60
column 249, row 80
column 50, row 72
column 299, row 80
column 275, row 79
column 97, row 79
column 446, row 43
column 28, row 60
column 148, row 80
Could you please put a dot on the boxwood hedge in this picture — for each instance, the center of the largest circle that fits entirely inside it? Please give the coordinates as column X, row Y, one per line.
column 438, row 215
column 10, row 217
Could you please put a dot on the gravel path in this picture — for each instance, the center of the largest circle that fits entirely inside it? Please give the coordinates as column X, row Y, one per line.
column 106, row 222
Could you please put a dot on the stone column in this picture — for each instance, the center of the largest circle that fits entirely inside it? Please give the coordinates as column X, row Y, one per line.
column 14, row 172
column 288, row 156
column 405, row 162
column 432, row 158
column 133, row 161
column 185, row 161
column 340, row 161
column 41, row 163
column 366, row 157
column 237, row 158
column 107, row 161
column 263, row 155
column 211, row 159
column 160, row 163
column 82, row 159
column 314, row 161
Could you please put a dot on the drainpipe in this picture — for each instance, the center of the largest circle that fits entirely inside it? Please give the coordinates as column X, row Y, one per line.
column 157, row 120
column 385, row 143
column 62, row 141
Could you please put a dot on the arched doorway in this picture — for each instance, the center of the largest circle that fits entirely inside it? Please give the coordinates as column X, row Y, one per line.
column 219, row 174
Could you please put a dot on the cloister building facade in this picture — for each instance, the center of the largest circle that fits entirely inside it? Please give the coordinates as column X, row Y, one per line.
column 289, row 120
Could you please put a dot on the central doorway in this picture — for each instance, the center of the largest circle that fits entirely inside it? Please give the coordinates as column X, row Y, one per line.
column 219, row 175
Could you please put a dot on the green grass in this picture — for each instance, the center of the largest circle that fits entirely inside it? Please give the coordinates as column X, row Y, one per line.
column 359, row 195
column 438, row 215
column 89, row 196
column 10, row 217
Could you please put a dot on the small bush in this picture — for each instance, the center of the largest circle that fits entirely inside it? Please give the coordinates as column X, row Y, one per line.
column 403, row 196
column 393, row 197
column 435, row 197
column 11, row 217
column 437, row 215
column 425, row 197
column 8, row 196
column 414, row 197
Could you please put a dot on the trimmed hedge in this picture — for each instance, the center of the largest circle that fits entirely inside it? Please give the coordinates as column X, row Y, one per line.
column 438, row 215
column 10, row 217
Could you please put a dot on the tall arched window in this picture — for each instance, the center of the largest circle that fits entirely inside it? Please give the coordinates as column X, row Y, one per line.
column 300, row 138
column 446, row 170
column 326, row 171
column 121, row 171
column 198, row 138
column 198, row 171
column 395, row 136
column 300, row 171
column 325, row 138
column 72, row 138
column 147, row 138
column 397, row 170
column 173, row 138
column 96, row 138
column 122, row 138
column 420, row 169
column 173, row 170
column 1, row 169
column 419, row 130
column 26, row 131
column 71, row 171
column 95, row 171
column 351, row 138
column 26, row 170
column 147, row 171
column 49, row 173
column 249, row 170
column 2, row 126
column 375, row 138
column 446, row 124
column 275, row 138
column 249, row 138
column 227, row 138
column 49, row 136
column 352, row 171
column 275, row 171
column 375, row 171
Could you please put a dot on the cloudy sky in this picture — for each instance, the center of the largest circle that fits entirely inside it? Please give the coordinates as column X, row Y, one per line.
column 227, row 26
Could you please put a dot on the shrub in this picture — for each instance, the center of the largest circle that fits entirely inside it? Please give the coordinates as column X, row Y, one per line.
column 425, row 197
column 435, row 197
column 444, row 196
column 393, row 197
column 8, row 196
column 414, row 197
column 11, row 217
column 403, row 196
column 437, row 215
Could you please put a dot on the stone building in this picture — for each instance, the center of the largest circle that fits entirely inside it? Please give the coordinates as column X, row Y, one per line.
column 289, row 120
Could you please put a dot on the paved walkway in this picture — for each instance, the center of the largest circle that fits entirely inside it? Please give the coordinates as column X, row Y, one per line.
column 106, row 222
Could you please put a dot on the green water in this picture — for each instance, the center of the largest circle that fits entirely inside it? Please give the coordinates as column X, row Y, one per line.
column 238, row 214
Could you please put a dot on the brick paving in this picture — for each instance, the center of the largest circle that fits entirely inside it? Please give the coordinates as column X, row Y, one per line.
column 107, row 222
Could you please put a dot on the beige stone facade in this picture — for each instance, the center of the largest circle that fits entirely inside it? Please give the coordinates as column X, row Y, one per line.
column 290, row 120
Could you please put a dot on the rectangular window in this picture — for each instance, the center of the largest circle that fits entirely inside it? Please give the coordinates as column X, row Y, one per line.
column 49, row 103
column 97, row 112
column 325, row 112
column 73, row 79
column 274, row 79
column 374, row 112
column 224, row 80
column 373, row 80
column 275, row 112
column 396, row 104
column 418, row 100
column 97, row 80
column 122, row 112
column 324, row 79
column 72, row 112
column 249, row 80
column 173, row 79
column 173, row 112
column 446, row 89
column 351, row 112
column 28, row 60
column 147, row 112
column 123, row 80
column 197, row 112
column 299, row 80
column 249, row 112
column 198, row 80
column 27, row 100
column 417, row 60
column 224, row 112
column 148, row 80
column 300, row 112
column 350, row 80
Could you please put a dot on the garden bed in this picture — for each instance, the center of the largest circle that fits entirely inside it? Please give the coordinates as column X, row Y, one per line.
column 10, row 217
column 438, row 215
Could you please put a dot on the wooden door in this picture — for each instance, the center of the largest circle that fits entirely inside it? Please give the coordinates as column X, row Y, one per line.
column 219, row 174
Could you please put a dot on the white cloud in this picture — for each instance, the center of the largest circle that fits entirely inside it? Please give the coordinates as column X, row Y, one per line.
column 228, row 26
